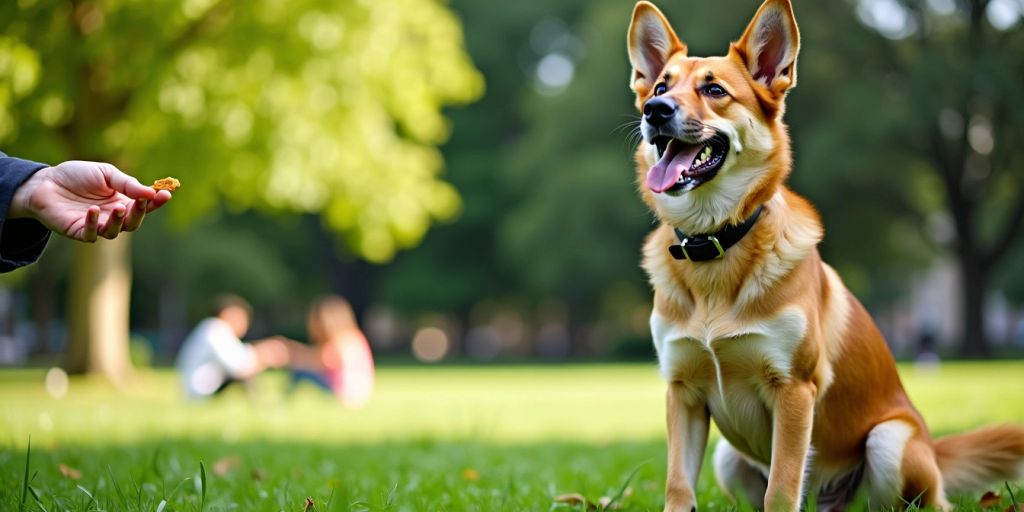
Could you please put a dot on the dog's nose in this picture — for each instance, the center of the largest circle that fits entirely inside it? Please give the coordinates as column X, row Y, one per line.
column 659, row 111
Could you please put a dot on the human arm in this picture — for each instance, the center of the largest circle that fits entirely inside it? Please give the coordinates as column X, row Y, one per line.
column 85, row 200
column 21, row 240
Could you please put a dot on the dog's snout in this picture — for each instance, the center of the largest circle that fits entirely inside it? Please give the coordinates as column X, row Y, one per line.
column 659, row 111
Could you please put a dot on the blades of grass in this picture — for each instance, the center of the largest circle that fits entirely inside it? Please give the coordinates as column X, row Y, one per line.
column 177, row 487
column 160, row 507
column 330, row 498
column 914, row 504
column 202, row 480
column 58, row 503
column 625, row 485
column 92, row 498
column 155, row 462
column 117, row 488
column 1013, row 499
column 24, row 482
column 138, row 488
column 390, row 501
column 35, row 496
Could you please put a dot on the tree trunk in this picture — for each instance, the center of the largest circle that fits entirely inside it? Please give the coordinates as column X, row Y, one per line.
column 41, row 286
column 974, row 282
column 98, row 311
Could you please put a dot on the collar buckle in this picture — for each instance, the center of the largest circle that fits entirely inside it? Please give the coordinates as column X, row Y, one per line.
column 706, row 247
column 707, row 238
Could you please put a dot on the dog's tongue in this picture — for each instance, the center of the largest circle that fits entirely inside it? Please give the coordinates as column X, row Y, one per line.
column 676, row 160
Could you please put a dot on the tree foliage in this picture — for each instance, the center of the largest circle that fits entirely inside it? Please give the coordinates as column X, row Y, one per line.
column 297, row 106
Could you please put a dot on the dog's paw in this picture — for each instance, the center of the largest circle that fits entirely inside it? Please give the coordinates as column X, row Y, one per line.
column 681, row 507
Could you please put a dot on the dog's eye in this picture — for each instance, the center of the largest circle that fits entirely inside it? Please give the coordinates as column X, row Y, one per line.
column 660, row 89
column 713, row 90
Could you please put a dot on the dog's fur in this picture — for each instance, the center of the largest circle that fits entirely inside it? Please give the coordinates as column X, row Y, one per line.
column 767, row 340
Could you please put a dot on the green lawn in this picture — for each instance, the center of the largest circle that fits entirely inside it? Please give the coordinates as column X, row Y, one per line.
column 482, row 438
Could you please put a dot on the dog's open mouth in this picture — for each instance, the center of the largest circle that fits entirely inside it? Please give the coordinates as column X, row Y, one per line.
column 684, row 166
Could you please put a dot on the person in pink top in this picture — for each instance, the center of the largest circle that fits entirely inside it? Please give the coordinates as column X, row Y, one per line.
column 338, row 357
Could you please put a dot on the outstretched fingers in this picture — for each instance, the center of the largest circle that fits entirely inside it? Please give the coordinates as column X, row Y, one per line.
column 92, row 222
column 136, row 212
column 114, row 223
column 159, row 200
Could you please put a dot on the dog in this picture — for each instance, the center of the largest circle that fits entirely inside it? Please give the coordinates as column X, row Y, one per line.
column 750, row 327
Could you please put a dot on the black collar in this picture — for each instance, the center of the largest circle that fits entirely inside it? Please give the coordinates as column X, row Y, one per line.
column 714, row 245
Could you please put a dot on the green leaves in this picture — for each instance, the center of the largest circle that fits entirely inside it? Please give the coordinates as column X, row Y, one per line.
column 19, row 73
column 294, row 107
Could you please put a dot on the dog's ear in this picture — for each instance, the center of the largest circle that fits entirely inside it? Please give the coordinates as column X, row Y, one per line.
column 651, row 42
column 770, row 44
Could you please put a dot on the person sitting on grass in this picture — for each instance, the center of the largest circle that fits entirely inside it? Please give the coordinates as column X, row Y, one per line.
column 213, row 355
column 338, row 358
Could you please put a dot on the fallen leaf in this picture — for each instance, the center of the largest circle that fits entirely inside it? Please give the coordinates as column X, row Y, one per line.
column 224, row 465
column 309, row 504
column 575, row 499
column 605, row 502
column 69, row 472
column 989, row 499
column 470, row 474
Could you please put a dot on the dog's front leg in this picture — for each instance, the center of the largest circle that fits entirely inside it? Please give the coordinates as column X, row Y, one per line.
column 687, row 439
column 793, row 418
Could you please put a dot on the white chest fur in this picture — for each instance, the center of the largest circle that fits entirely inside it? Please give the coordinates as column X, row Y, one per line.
column 732, row 366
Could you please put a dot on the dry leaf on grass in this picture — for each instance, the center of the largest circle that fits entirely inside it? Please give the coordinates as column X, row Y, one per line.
column 224, row 465
column 603, row 503
column 575, row 499
column 69, row 472
column 989, row 499
column 309, row 504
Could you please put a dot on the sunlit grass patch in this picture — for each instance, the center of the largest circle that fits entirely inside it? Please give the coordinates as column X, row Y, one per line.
column 445, row 438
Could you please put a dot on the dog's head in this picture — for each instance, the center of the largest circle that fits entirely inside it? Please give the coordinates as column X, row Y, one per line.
column 714, row 145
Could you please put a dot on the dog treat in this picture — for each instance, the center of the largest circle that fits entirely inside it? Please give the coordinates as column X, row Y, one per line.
column 168, row 183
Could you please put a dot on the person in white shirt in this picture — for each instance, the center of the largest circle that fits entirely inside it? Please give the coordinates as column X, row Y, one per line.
column 213, row 355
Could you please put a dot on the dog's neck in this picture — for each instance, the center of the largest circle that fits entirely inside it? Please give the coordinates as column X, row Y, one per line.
column 786, row 233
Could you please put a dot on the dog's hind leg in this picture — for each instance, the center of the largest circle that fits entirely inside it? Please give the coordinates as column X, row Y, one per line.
column 737, row 477
column 901, row 467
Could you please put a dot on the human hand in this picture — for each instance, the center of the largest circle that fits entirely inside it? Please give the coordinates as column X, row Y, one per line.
column 272, row 352
column 85, row 200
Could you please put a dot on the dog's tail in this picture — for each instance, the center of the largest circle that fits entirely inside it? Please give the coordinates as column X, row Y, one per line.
column 982, row 457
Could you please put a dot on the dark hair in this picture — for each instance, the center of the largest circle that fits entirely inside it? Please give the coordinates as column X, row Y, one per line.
column 226, row 301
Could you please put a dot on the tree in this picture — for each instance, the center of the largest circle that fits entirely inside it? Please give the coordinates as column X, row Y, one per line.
column 945, row 87
column 296, row 107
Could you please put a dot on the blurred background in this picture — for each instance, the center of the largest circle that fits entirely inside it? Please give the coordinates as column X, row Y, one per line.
column 460, row 170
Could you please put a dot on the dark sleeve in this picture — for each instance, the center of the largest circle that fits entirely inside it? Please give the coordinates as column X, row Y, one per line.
column 21, row 240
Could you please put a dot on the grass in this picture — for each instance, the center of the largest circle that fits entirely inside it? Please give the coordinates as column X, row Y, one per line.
column 449, row 438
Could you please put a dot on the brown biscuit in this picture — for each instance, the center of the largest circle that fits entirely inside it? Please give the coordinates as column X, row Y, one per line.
column 169, row 184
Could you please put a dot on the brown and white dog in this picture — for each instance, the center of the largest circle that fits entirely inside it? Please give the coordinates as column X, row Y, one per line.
column 751, row 327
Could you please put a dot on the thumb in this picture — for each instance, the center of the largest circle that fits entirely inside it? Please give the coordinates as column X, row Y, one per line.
column 124, row 183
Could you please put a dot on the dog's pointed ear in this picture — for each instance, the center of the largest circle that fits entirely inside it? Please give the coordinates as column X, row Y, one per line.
column 651, row 42
column 770, row 45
